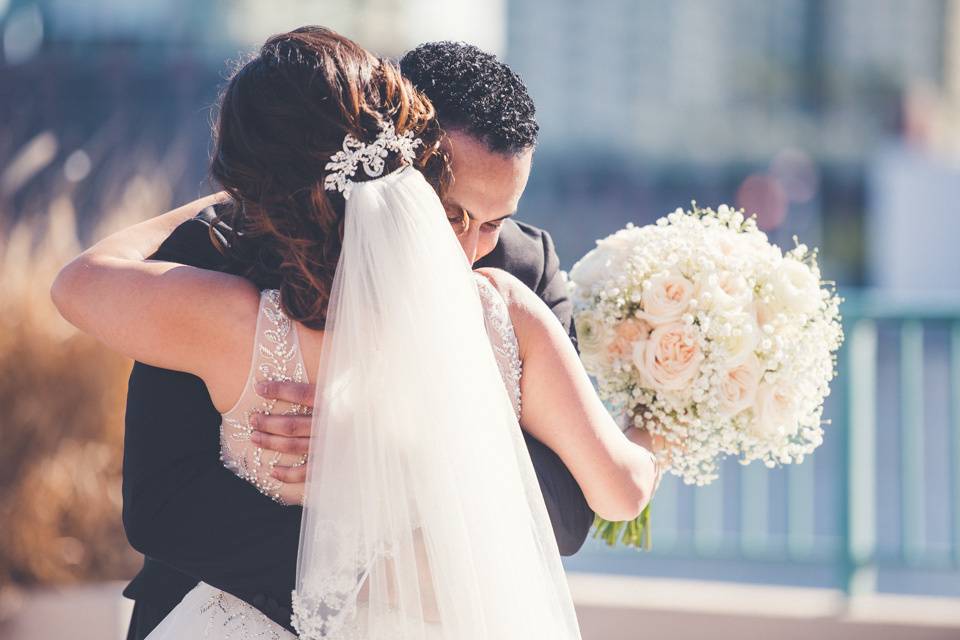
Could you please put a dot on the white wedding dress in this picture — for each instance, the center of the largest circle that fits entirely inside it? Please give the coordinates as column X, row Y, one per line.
column 423, row 518
column 208, row 612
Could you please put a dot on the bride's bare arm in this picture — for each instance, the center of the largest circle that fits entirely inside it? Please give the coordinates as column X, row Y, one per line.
column 160, row 313
column 561, row 408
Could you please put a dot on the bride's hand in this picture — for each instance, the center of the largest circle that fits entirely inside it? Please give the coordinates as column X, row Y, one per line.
column 642, row 437
column 658, row 444
column 655, row 444
column 285, row 433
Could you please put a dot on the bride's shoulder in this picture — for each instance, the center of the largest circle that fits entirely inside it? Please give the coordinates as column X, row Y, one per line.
column 507, row 285
column 524, row 305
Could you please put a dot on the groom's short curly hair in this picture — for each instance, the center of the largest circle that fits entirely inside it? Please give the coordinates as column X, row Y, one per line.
column 475, row 93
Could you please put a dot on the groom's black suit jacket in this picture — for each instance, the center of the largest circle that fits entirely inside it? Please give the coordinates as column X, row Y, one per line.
column 195, row 520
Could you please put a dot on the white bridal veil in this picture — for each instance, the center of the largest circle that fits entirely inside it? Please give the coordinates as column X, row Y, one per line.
column 423, row 518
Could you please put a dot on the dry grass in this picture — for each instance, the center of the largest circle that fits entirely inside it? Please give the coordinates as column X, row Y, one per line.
column 61, row 409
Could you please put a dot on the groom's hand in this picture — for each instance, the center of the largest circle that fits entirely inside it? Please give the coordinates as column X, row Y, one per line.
column 285, row 433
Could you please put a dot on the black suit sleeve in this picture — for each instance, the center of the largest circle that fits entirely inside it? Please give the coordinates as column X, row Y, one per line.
column 181, row 506
column 552, row 288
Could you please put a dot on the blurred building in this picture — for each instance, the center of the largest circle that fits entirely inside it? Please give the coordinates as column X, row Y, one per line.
column 777, row 107
column 658, row 77
column 389, row 27
column 722, row 81
column 127, row 88
column 899, row 41
column 914, row 185
column 914, row 222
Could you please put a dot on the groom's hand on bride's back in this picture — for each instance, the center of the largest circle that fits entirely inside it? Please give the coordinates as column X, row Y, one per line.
column 285, row 433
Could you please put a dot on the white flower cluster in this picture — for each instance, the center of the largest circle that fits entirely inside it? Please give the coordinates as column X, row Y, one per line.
column 705, row 333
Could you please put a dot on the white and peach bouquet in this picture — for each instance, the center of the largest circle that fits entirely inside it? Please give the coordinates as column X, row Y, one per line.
column 701, row 331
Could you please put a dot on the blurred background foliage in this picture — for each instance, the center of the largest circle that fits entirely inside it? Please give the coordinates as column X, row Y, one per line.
column 62, row 397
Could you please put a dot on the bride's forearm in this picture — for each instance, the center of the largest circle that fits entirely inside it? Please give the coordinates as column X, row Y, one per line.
column 148, row 309
column 96, row 288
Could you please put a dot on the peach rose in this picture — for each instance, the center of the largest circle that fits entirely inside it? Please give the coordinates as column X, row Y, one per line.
column 763, row 313
column 626, row 334
column 666, row 299
column 738, row 387
column 671, row 356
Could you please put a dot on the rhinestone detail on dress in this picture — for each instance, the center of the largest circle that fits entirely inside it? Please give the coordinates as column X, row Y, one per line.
column 277, row 358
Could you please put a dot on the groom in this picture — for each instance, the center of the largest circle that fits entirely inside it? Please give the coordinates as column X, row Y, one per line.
column 193, row 519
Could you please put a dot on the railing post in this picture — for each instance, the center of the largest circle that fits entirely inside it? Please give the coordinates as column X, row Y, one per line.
column 708, row 518
column 754, row 510
column 955, row 431
column 913, row 518
column 801, row 497
column 860, row 517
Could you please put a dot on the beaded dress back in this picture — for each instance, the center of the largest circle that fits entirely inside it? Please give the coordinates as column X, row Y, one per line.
column 277, row 356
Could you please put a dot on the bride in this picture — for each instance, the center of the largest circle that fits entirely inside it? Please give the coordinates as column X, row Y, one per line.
column 422, row 514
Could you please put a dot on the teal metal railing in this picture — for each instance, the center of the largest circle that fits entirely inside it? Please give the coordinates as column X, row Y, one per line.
column 731, row 520
column 910, row 317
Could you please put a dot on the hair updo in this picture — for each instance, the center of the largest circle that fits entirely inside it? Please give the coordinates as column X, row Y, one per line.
column 281, row 117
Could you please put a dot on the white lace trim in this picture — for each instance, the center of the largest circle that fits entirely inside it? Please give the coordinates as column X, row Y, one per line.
column 328, row 609
column 503, row 338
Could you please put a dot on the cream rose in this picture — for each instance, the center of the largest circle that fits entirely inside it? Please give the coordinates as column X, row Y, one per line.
column 795, row 288
column 775, row 410
column 666, row 298
column 592, row 268
column 672, row 356
column 724, row 290
column 593, row 335
column 742, row 344
column 726, row 243
column 738, row 386
column 620, row 243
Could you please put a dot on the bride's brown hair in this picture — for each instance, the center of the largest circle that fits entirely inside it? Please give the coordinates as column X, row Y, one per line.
column 281, row 117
